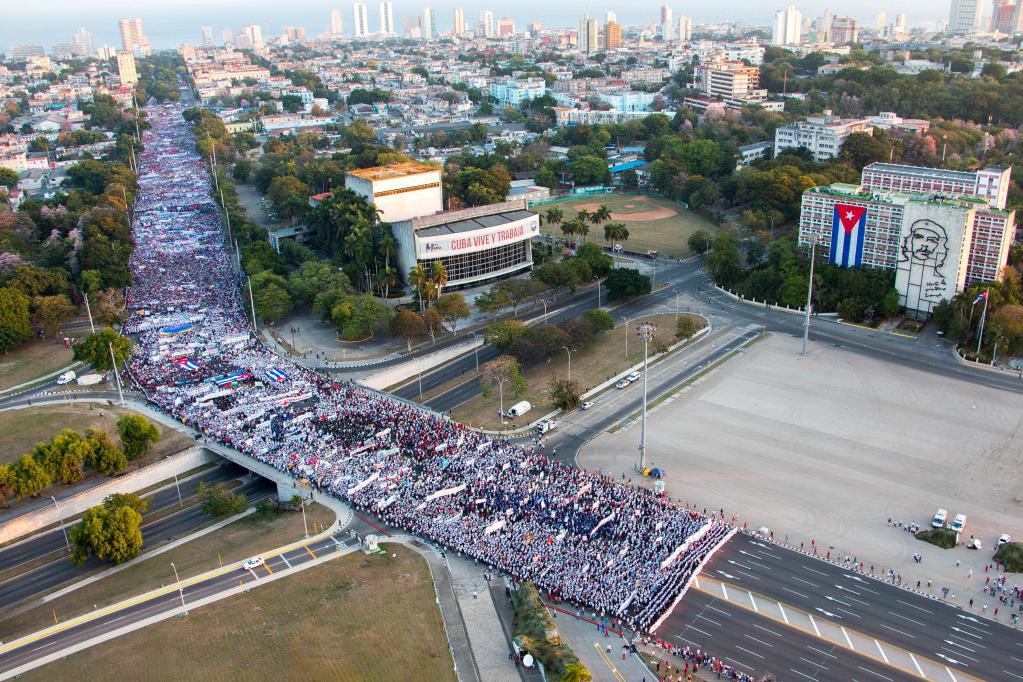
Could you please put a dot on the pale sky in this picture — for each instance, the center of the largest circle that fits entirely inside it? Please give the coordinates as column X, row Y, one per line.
column 169, row 22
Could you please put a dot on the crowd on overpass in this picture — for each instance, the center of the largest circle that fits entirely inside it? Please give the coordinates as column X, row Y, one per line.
column 622, row 551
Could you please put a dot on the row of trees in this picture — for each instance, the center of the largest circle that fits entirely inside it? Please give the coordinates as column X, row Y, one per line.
column 66, row 457
column 531, row 345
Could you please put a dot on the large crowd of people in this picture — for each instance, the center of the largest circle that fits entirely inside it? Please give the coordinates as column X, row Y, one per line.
column 622, row 551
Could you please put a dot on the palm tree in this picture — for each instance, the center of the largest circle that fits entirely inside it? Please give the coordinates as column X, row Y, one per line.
column 615, row 232
column 418, row 278
column 568, row 227
column 554, row 215
column 583, row 216
column 389, row 278
column 582, row 229
column 438, row 277
column 600, row 216
column 576, row 672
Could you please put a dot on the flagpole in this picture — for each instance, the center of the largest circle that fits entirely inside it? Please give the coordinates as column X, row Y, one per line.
column 983, row 317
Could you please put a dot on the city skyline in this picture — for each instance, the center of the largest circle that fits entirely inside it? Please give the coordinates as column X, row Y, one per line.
column 168, row 27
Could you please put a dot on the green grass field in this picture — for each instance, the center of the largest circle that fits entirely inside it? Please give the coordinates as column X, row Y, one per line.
column 32, row 361
column 356, row 618
column 654, row 223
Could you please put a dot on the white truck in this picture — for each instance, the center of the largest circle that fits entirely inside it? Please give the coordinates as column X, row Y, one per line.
column 67, row 377
column 518, row 409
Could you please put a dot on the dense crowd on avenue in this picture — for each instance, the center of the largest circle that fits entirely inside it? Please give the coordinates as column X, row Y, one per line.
column 622, row 551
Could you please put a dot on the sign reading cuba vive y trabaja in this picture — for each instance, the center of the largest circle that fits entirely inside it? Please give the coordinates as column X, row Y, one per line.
column 477, row 240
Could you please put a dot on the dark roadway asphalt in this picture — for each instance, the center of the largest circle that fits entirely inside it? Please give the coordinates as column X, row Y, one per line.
column 913, row 622
column 53, row 540
column 227, row 579
column 757, row 645
column 568, row 309
column 58, row 572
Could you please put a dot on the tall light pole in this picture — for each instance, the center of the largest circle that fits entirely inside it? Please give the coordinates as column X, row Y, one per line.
column 117, row 375
column 181, row 591
column 626, row 328
column 88, row 311
column 500, row 391
column 544, row 301
column 476, row 349
column 252, row 304
column 61, row 519
column 645, row 332
column 676, row 306
column 569, row 351
column 983, row 318
column 598, row 292
column 809, row 295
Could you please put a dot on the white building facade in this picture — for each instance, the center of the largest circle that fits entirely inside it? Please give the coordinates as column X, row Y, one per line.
column 822, row 135
column 401, row 191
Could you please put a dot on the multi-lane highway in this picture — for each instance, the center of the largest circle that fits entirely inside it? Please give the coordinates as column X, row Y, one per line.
column 60, row 571
column 926, row 627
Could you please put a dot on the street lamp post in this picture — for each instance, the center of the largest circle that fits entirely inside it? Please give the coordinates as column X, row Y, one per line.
column 88, row 311
column 544, row 301
column 117, row 376
column 500, row 392
column 809, row 295
column 61, row 519
column 676, row 306
column 598, row 292
column 181, row 591
column 645, row 332
column 476, row 349
column 626, row 328
column 569, row 351
column 252, row 304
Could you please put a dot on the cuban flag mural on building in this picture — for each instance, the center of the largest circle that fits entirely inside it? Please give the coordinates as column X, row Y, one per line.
column 848, row 228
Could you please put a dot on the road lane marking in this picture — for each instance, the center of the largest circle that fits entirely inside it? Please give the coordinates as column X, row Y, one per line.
column 813, row 585
column 908, row 618
column 768, row 630
column 794, row 592
column 822, row 653
column 803, row 674
column 286, row 562
column 880, row 650
column 888, row 627
column 607, row 661
column 949, row 641
column 744, row 665
column 816, row 629
column 748, row 651
column 949, row 671
column 310, row 551
column 815, row 571
column 784, row 617
column 813, row 663
column 758, row 641
column 918, row 668
column 868, row 670
column 1019, row 677
column 848, row 640
column 702, row 617
column 253, row 574
column 959, row 654
column 914, row 606
column 753, row 601
column 269, row 570
column 724, row 591
column 702, row 632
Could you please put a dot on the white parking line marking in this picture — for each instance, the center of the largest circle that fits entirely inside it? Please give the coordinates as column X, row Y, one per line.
column 881, row 651
column 814, row 624
column 753, row 602
column 949, row 671
column 918, row 668
column 748, row 651
column 286, row 562
column 848, row 640
column 724, row 591
column 783, row 616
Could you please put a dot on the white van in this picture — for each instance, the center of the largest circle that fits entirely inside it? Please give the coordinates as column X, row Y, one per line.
column 958, row 523
column 66, row 378
column 939, row 518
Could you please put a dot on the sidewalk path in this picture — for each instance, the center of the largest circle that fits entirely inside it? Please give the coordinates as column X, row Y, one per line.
column 489, row 644
column 591, row 646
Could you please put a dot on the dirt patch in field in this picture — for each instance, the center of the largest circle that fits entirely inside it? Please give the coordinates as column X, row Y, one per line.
column 639, row 216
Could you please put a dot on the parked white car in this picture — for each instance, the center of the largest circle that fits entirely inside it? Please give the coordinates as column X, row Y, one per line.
column 66, row 378
column 1003, row 539
column 587, row 405
column 624, row 383
column 633, row 376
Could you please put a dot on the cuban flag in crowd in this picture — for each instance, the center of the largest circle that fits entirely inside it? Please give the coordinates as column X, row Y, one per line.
column 232, row 378
column 276, row 375
column 848, row 228
column 188, row 363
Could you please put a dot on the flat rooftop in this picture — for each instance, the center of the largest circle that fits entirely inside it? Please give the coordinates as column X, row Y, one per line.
column 397, row 170
column 478, row 223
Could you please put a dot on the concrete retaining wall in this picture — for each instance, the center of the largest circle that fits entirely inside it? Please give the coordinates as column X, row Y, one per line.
column 407, row 370
column 137, row 480
column 779, row 308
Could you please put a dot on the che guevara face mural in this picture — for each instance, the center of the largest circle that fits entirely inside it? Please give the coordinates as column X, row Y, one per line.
column 923, row 254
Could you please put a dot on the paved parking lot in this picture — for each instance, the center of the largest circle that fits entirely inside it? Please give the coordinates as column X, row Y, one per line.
column 830, row 446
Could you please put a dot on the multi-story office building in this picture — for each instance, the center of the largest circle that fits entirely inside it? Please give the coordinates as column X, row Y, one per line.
column 788, row 26
column 685, row 29
column 475, row 245
column 844, row 30
column 512, row 93
column 938, row 245
column 459, row 21
column 963, row 16
column 133, row 39
column 505, row 27
column 254, row 33
column 667, row 22
column 823, row 135
column 731, row 81
column 361, row 20
column 612, row 35
column 487, row 19
column 587, row 42
column 387, row 18
column 26, row 50
column 337, row 24
column 990, row 184
column 207, row 36
column 126, row 68
column 84, row 38
column 429, row 25
column 401, row 191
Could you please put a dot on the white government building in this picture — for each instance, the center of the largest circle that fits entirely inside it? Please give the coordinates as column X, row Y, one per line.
column 476, row 245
